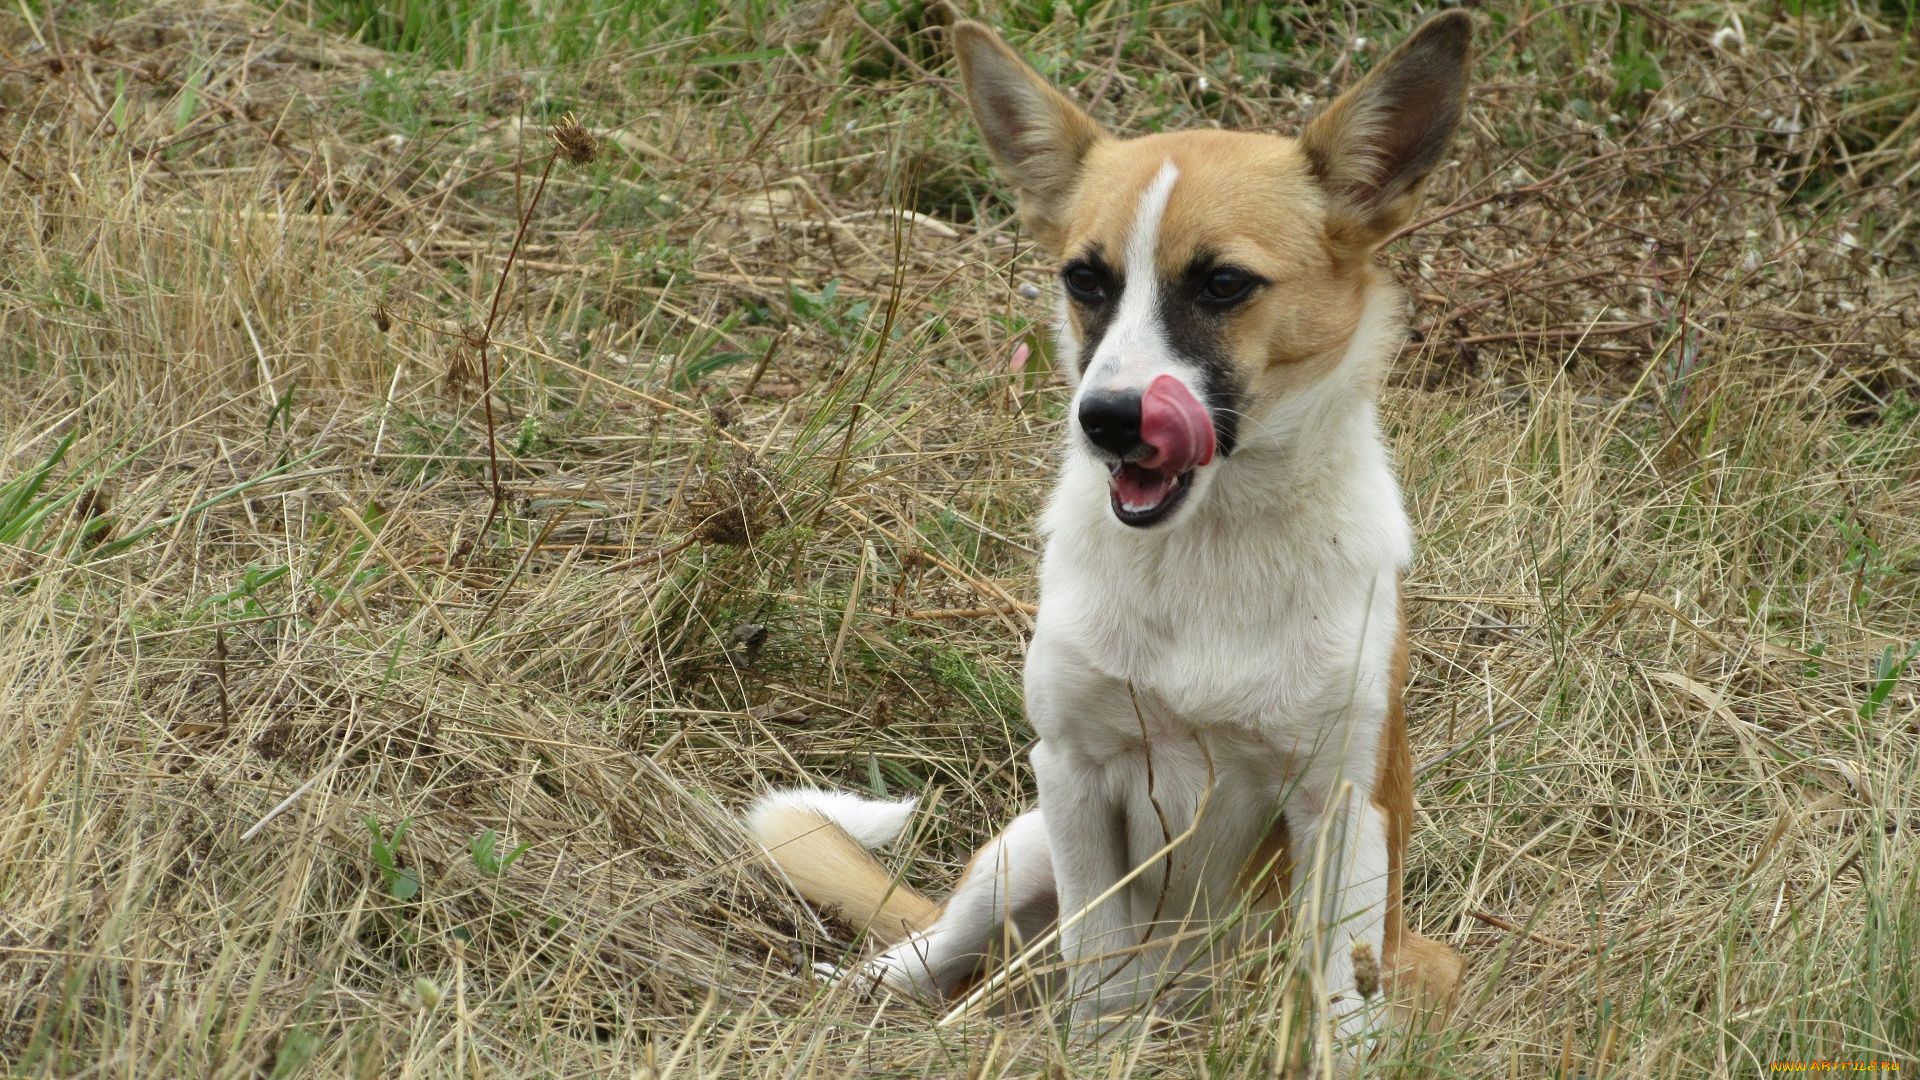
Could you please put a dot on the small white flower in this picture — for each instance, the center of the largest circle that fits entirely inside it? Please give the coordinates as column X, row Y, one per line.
column 1361, row 44
column 1203, row 84
column 850, row 127
column 1029, row 291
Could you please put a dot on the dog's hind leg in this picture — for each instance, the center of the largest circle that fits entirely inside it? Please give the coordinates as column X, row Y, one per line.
column 1005, row 895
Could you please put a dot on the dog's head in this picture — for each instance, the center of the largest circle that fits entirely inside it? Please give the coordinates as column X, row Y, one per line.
column 1211, row 276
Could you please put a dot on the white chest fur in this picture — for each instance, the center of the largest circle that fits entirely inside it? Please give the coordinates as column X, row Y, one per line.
column 1273, row 606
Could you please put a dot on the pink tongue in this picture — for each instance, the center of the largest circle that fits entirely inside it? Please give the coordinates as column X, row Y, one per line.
column 1177, row 426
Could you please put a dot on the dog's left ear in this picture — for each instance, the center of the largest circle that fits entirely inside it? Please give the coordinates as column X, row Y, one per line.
column 1376, row 143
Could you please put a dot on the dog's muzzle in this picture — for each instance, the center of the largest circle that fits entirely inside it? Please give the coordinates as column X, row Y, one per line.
column 1157, row 439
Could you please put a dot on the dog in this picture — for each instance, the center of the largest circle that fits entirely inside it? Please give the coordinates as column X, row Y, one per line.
column 1219, row 656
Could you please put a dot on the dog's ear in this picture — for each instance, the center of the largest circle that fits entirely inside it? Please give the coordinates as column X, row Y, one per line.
column 1374, row 145
column 1038, row 137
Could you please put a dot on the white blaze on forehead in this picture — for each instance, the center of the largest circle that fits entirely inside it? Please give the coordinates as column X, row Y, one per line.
column 1146, row 220
column 1135, row 347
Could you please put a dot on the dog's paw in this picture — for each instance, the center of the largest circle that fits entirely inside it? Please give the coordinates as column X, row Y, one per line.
column 863, row 977
column 1115, row 1014
column 893, row 971
column 902, row 970
column 1360, row 1025
column 1112, row 1029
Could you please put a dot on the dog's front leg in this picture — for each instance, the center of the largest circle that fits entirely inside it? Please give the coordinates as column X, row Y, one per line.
column 1341, row 881
column 1085, row 768
column 1087, row 835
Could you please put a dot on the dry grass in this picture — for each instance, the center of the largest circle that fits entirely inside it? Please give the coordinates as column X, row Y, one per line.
column 767, row 485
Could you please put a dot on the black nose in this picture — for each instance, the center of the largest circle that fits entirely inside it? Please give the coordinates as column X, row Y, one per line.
column 1111, row 418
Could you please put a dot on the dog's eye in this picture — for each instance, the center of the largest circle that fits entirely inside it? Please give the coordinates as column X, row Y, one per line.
column 1085, row 283
column 1226, row 286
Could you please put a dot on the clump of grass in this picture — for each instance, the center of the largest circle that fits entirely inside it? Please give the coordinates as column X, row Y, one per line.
column 743, row 302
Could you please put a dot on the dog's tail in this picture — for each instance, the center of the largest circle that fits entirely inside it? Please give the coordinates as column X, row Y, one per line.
column 820, row 840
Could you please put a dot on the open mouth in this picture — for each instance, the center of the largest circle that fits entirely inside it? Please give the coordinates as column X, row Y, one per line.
column 1143, row 496
column 1177, row 437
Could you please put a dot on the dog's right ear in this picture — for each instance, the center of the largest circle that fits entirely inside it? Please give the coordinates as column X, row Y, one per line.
column 1036, row 136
